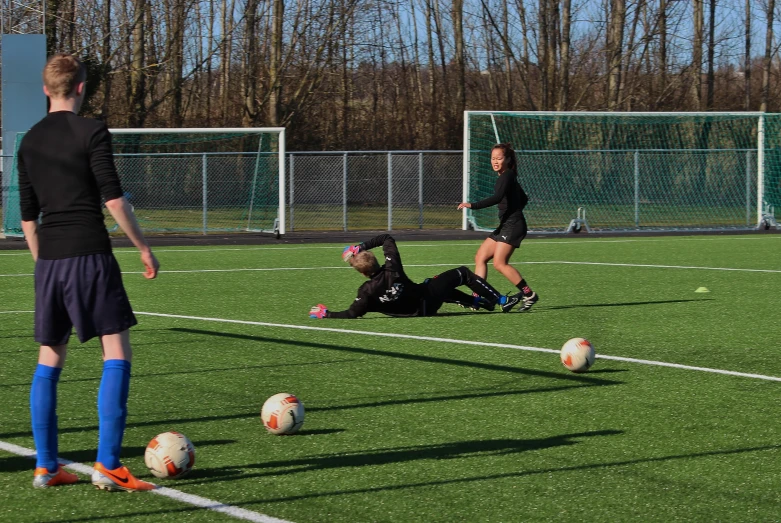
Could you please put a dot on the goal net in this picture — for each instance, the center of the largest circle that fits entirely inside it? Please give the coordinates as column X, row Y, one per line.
column 192, row 180
column 627, row 171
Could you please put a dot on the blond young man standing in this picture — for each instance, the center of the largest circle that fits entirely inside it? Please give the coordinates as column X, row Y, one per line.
column 66, row 166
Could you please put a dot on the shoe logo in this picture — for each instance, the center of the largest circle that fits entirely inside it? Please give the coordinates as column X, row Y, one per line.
column 118, row 478
column 504, row 237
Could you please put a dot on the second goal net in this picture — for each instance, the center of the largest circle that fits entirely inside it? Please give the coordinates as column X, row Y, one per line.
column 624, row 171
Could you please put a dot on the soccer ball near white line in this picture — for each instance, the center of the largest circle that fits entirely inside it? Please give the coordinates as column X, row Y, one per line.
column 282, row 413
column 578, row 354
column 170, row 455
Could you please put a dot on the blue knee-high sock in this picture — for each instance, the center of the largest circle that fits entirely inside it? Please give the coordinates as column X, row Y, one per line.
column 112, row 411
column 43, row 410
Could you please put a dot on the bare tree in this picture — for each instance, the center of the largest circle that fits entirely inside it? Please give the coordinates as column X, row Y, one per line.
column 274, row 80
column 747, row 59
column 711, row 52
column 458, row 35
column 106, row 56
column 566, row 12
column 137, row 113
column 696, row 67
column 176, row 57
column 615, row 40
column 250, row 76
column 771, row 8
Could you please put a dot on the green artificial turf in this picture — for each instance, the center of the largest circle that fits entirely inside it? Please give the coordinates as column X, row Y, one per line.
column 416, row 429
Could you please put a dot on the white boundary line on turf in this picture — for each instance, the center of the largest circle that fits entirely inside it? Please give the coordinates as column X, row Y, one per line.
column 447, row 243
column 552, row 262
column 16, row 312
column 463, row 342
column 177, row 495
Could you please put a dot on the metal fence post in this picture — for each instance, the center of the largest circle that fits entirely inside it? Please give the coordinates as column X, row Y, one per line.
column 292, row 192
column 760, row 169
column 420, row 189
column 637, row 188
column 204, row 162
column 748, row 188
column 390, row 192
column 344, row 191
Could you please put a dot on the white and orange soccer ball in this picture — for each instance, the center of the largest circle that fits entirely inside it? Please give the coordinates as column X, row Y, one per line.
column 282, row 413
column 578, row 354
column 170, row 455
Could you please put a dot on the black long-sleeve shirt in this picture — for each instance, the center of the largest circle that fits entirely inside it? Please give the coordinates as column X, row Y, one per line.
column 389, row 291
column 508, row 193
column 65, row 165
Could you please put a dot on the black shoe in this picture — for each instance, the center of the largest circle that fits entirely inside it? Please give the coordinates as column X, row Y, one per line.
column 511, row 302
column 477, row 304
column 486, row 305
column 528, row 301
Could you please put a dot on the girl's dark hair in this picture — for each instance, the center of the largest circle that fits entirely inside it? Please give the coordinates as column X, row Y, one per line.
column 509, row 152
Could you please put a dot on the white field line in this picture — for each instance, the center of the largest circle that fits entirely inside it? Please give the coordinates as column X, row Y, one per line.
column 408, row 244
column 463, row 342
column 552, row 262
column 190, row 499
column 17, row 312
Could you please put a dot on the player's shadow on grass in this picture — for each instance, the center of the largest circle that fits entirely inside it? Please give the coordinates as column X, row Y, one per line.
column 456, row 450
column 621, row 304
column 603, row 466
column 429, row 398
column 195, row 371
column 345, row 493
column 162, row 424
column 414, row 357
column 22, row 463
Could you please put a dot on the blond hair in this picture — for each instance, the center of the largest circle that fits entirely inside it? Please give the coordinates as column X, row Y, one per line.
column 365, row 262
column 63, row 72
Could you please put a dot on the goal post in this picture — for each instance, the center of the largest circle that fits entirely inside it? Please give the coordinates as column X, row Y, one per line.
column 629, row 171
column 194, row 179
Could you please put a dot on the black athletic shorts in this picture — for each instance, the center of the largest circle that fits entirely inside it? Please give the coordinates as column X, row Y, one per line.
column 512, row 230
column 84, row 292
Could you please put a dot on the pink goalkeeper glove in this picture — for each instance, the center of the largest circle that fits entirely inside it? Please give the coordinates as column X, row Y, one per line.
column 318, row 311
column 350, row 251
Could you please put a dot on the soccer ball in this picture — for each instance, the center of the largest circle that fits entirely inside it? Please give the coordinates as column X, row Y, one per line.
column 282, row 413
column 577, row 355
column 170, row 455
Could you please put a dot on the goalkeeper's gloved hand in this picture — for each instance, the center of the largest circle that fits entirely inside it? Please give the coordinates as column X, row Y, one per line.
column 318, row 311
column 350, row 251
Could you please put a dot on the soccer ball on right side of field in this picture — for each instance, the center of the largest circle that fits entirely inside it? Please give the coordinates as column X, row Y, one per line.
column 578, row 354
column 170, row 455
column 282, row 413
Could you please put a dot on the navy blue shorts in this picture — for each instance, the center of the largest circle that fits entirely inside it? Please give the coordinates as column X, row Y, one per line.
column 84, row 292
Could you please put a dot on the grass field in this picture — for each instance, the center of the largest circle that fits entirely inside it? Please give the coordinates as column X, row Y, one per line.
column 449, row 418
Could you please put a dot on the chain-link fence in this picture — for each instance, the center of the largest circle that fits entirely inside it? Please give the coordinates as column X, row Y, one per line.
column 374, row 190
column 218, row 191
column 384, row 190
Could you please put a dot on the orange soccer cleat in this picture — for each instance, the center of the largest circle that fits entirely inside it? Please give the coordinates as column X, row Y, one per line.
column 45, row 479
column 118, row 479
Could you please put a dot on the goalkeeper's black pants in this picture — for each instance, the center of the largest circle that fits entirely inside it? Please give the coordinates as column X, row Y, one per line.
column 442, row 288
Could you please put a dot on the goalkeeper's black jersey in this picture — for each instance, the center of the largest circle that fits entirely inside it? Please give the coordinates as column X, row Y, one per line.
column 389, row 291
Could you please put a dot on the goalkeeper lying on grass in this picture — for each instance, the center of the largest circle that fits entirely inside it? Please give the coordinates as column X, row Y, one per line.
column 391, row 292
